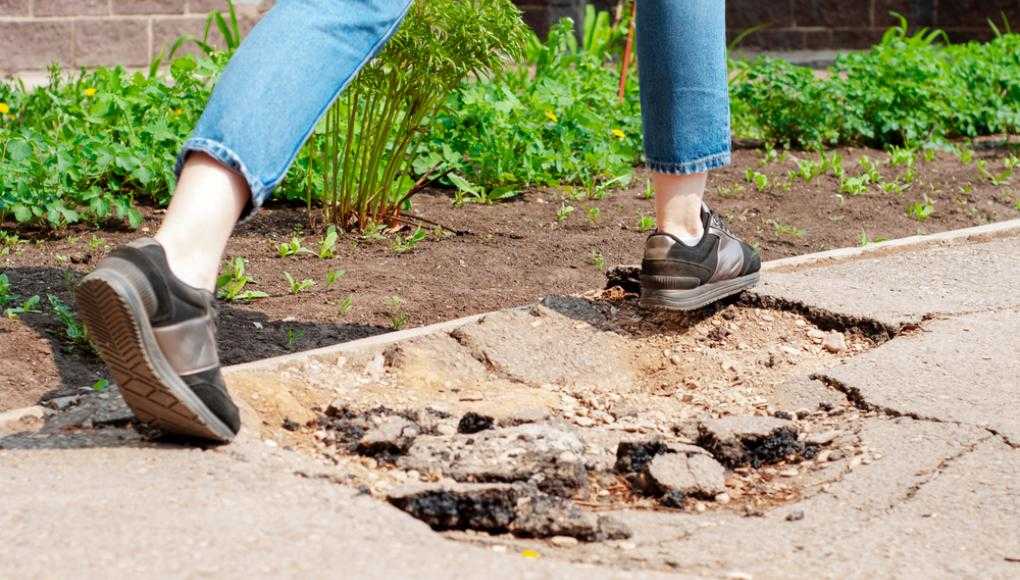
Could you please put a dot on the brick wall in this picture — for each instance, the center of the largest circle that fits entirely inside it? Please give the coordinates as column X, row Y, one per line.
column 35, row 33
column 816, row 24
column 76, row 33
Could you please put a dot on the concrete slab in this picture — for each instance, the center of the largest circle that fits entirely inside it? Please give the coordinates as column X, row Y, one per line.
column 243, row 511
column 904, row 288
column 964, row 370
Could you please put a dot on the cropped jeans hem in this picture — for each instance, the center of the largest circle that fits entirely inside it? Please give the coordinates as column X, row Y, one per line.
column 700, row 165
column 232, row 161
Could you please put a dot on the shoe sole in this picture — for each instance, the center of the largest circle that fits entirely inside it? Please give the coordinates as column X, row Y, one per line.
column 117, row 322
column 686, row 300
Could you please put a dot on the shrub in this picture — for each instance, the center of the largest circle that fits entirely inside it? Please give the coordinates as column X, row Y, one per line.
column 908, row 89
column 556, row 119
column 369, row 132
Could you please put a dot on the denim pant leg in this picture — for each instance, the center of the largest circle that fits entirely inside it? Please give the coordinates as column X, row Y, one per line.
column 685, row 105
column 282, row 79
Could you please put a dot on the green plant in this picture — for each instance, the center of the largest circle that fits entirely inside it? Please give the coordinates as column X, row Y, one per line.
column 292, row 248
column 869, row 169
column 395, row 311
column 891, row 186
column 865, row 240
column 1002, row 177
column 346, row 305
column 100, row 385
column 333, row 276
column 853, row 186
column 8, row 242
column 327, row 247
column 402, row 245
column 598, row 260
column 921, row 210
column 374, row 232
column 230, row 285
column 467, row 192
column 564, row 212
column 369, row 133
column 909, row 89
column 594, row 214
column 97, row 244
column 786, row 230
column 73, row 328
column 760, row 180
column 901, row 156
column 6, row 296
column 645, row 223
column 30, row 305
column 298, row 286
column 555, row 119
column 293, row 337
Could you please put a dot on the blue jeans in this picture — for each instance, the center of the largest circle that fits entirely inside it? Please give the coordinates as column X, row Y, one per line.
column 303, row 53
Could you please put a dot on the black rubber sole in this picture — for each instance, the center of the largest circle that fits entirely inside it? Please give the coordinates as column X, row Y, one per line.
column 686, row 300
column 114, row 314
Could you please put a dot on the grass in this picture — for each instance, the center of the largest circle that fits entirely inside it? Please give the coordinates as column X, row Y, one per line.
column 645, row 223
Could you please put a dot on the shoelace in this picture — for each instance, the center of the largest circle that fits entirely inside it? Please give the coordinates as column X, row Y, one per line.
column 717, row 222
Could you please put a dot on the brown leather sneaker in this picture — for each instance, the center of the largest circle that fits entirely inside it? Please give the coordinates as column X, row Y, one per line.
column 675, row 276
column 158, row 337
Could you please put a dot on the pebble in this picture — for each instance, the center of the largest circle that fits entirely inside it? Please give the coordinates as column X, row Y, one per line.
column 446, row 429
column 823, row 456
column 791, row 472
column 584, row 422
column 626, row 545
column 795, row 516
column 700, row 507
column 815, row 333
column 563, row 541
column 723, row 498
column 834, row 342
column 499, row 549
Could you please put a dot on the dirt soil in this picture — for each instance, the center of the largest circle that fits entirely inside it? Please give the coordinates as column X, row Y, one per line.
column 490, row 257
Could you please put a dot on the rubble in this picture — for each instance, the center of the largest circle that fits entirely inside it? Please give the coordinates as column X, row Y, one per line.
column 691, row 475
column 749, row 440
column 391, row 437
column 548, row 456
column 542, row 516
column 500, row 507
column 486, row 507
column 473, row 422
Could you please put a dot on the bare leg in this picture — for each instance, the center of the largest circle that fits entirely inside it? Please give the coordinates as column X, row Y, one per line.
column 206, row 204
column 678, row 200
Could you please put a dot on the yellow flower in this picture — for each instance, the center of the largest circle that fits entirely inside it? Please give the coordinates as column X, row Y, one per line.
column 531, row 554
column 90, row 92
column 619, row 134
column 552, row 116
column 4, row 108
column 177, row 112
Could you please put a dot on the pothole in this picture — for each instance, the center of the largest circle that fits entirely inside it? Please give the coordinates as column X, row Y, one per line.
column 541, row 422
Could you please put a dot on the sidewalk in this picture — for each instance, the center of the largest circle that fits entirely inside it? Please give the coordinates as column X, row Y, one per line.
column 927, row 392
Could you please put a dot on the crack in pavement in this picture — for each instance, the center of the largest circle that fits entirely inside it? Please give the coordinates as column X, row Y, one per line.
column 857, row 399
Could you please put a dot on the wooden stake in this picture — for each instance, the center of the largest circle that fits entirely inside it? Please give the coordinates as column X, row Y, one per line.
column 627, row 50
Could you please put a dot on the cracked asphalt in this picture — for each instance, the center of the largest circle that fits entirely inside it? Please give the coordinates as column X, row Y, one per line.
column 936, row 495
